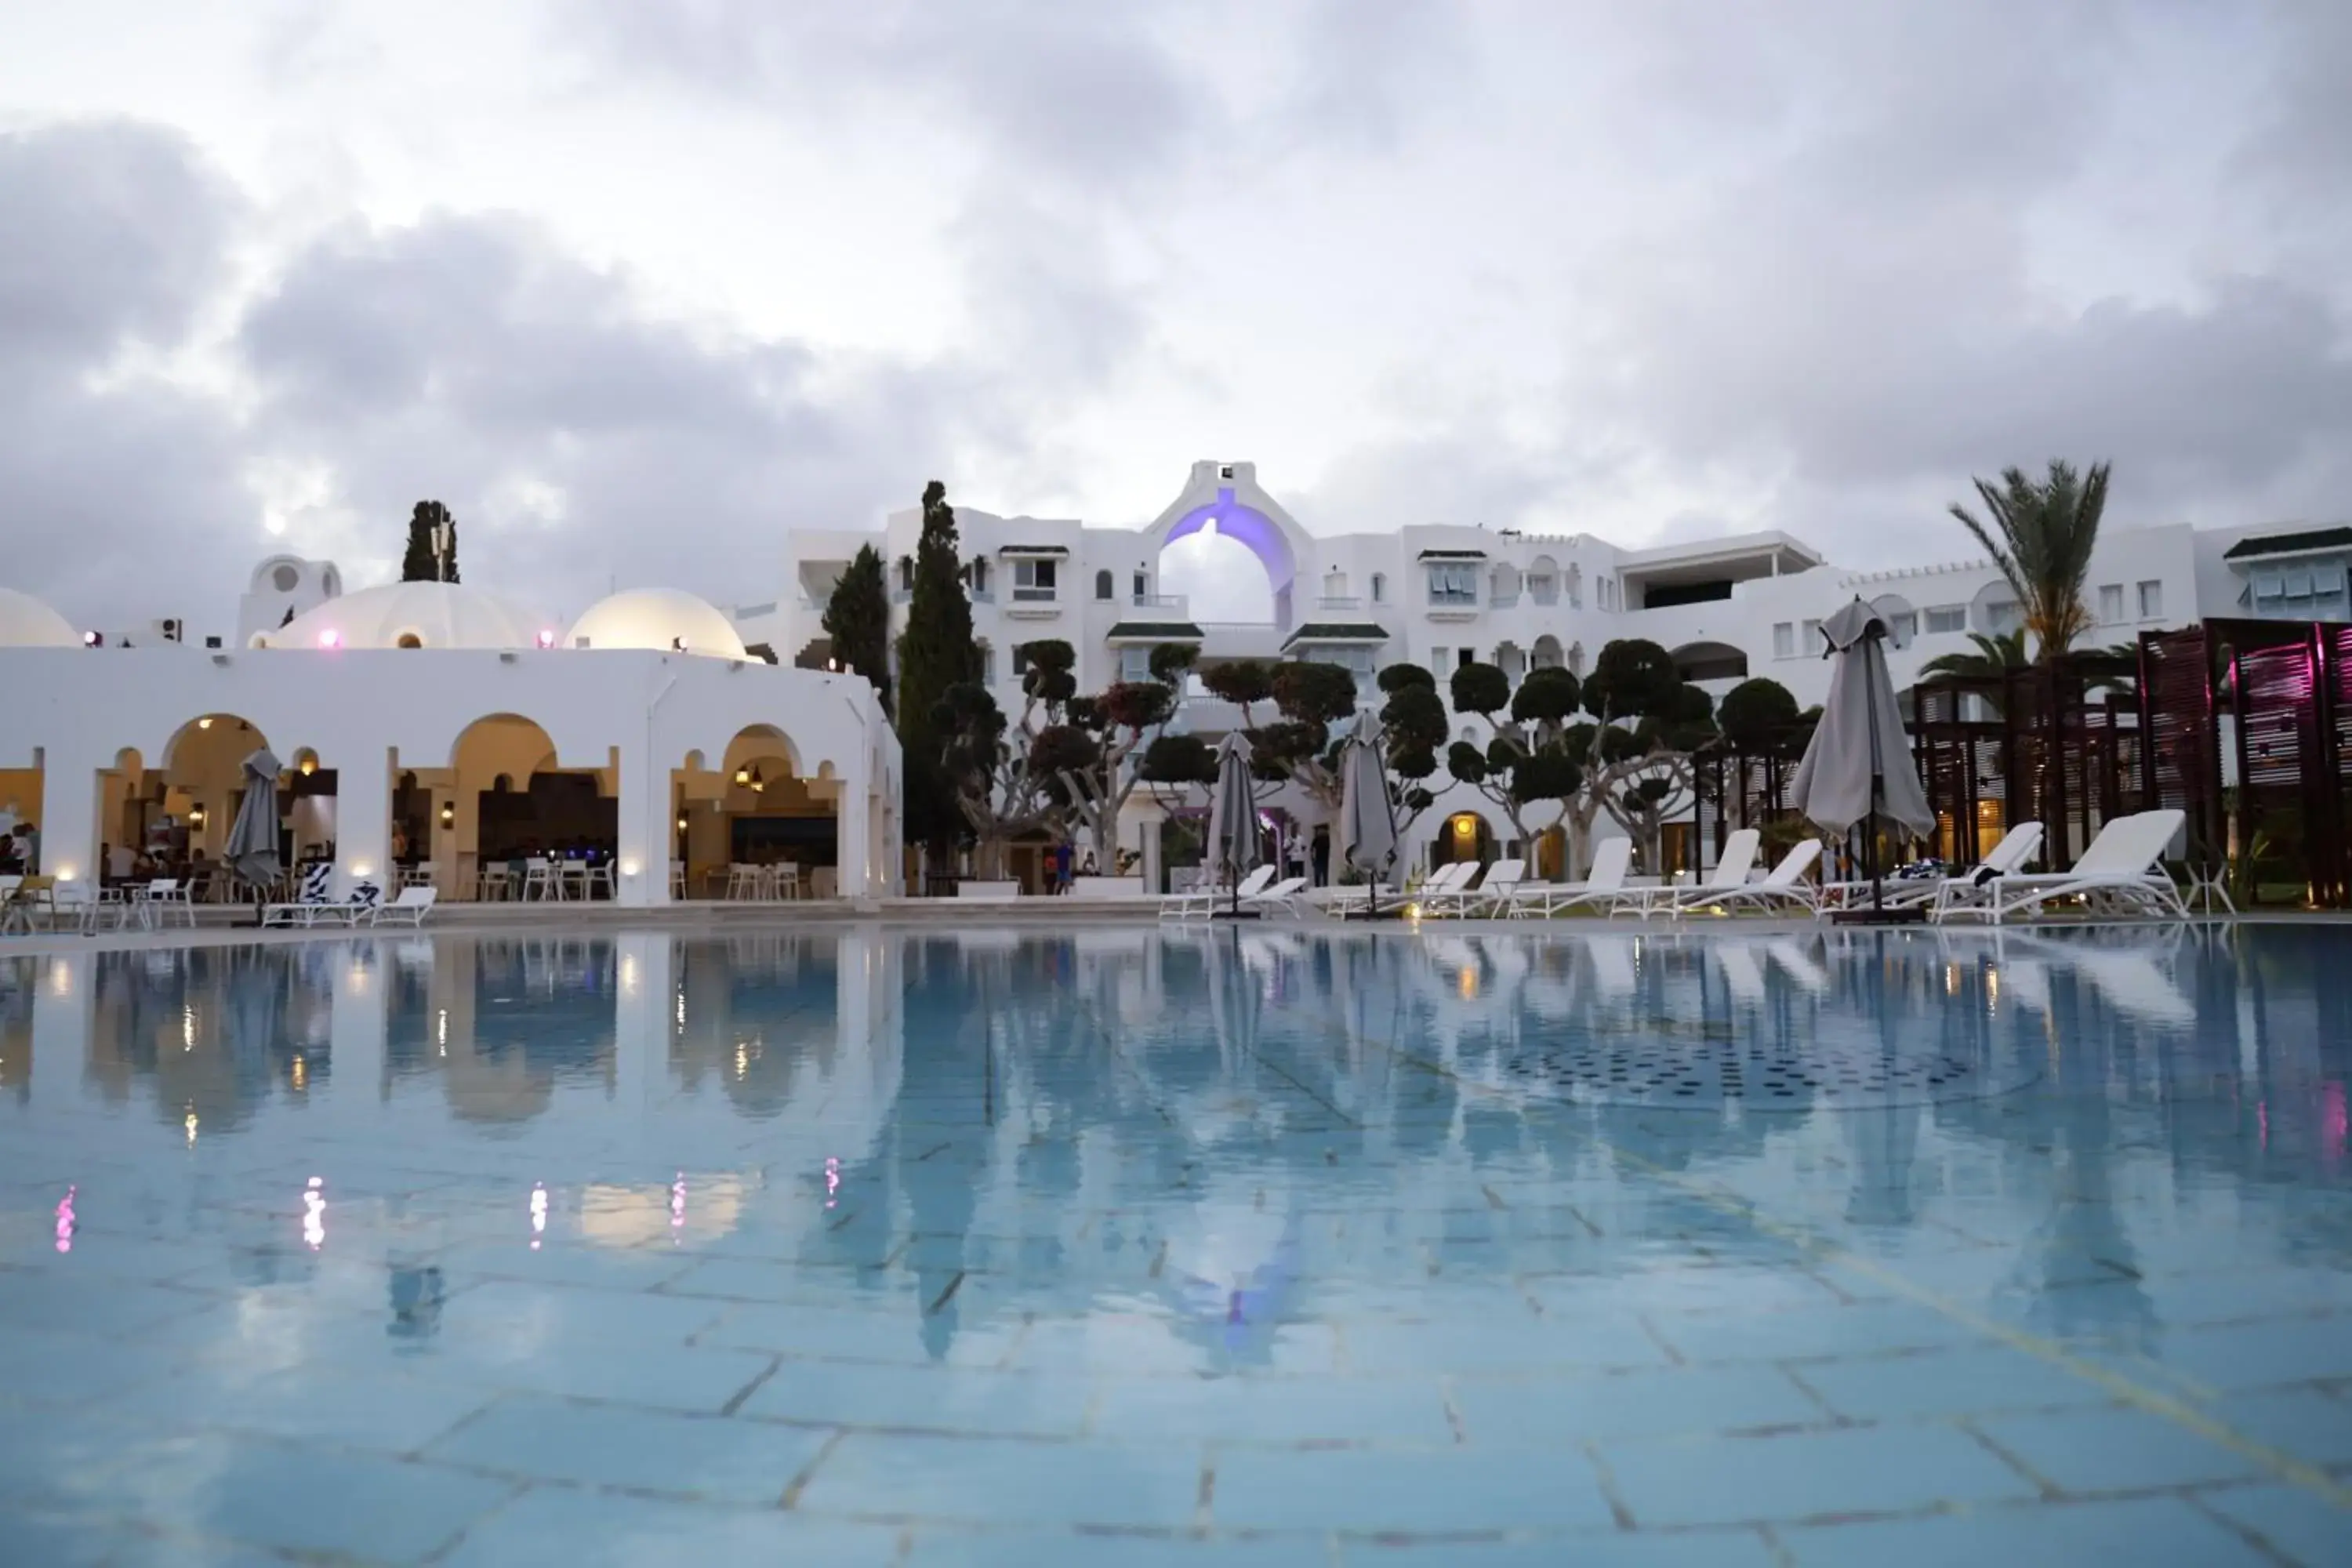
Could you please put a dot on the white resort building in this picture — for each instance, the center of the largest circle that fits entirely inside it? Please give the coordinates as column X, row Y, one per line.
column 474, row 729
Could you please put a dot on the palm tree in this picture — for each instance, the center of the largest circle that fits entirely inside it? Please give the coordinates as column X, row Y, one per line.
column 1994, row 657
column 2041, row 536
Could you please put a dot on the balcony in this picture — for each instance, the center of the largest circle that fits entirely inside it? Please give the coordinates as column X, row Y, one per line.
column 1501, row 601
column 1454, row 606
column 1034, row 604
column 1158, row 601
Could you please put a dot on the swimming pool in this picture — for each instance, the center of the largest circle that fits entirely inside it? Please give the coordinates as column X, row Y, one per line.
column 1223, row 1248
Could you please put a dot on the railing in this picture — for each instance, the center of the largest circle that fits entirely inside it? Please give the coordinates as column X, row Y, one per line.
column 1341, row 602
column 1036, row 596
column 1156, row 601
column 1500, row 601
column 748, row 612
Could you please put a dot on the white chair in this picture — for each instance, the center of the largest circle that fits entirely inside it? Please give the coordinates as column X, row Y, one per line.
column 2017, row 846
column 541, row 880
column 416, row 902
column 742, row 881
column 1785, row 884
column 1202, row 898
column 2121, row 872
column 1739, row 858
column 162, row 901
column 496, row 885
column 1602, row 883
column 310, row 905
column 1494, row 890
column 784, row 880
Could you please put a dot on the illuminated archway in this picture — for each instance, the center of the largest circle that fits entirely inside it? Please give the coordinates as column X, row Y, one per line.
column 1222, row 501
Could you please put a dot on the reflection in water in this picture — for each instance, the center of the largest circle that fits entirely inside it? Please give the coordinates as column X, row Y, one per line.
column 1175, row 1125
column 417, row 1293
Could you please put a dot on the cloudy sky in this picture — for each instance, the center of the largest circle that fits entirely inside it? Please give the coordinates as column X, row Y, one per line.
column 637, row 286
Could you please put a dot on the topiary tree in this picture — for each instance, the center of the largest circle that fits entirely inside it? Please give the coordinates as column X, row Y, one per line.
column 1413, row 726
column 1006, row 776
column 936, row 655
column 1635, row 757
column 1293, row 743
column 1759, row 725
column 857, row 620
column 1114, row 724
column 1529, row 762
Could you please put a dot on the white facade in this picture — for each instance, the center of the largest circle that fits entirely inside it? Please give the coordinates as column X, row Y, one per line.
column 442, row 690
column 1442, row 594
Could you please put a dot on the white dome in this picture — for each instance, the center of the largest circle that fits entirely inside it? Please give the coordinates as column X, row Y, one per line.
column 26, row 622
column 659, row 618
column 413, row 615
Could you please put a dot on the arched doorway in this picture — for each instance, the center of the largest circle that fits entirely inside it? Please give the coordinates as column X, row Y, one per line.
column 506, row 800
column 1462, row 836
column 757, row 807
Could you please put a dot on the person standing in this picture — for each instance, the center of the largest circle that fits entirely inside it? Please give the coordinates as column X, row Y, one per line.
column 1320, row 852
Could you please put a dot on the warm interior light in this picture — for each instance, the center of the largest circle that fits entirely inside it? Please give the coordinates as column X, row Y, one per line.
column 449, row 815
column 742, row 776
column 681, row 822
column 309, row 766
column 196, row 816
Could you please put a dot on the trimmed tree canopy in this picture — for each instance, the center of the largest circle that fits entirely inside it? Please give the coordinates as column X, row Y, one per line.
column 857, row 620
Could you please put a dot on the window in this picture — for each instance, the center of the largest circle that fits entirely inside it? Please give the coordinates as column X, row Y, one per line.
column 987, row 665
column 1142, row 587
column 979, row 574
column 2002, row 616
column 1019, row 660
column 906, row 574
column 1812, row 636
column 1380, row 588
column 1103, row 590
column 1440, row 663
column 2111, row 604
column 1576, row 659
column 1947, row 619
column 1134, row 664
column 2151, row 601
column 1464, row 657
column 1357, row 661
column 1032, row 580
column 1903, row 627
column 1784, row 641
column 1453, row 583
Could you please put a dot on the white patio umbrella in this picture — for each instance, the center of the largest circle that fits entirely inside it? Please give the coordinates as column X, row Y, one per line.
column 1858, row 766
column 1233, row 816
column 1368, row 830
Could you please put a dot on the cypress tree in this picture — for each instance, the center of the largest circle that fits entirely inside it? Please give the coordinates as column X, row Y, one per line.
column 417, row 563
column 857, row 620
column 936, row 653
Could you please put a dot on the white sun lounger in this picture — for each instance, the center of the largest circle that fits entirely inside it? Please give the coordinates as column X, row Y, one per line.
column 1284, row 895
column 1785, row 885
column 1739, row 858
column 2121, row 872
column 1201, row 901
column 1494, row 890
column 409, row 910
column 1602, row 884
column 1447, row 879
column 2017, row 846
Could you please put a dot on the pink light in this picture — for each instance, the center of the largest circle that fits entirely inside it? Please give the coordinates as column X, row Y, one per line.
column 832, row 1180
column 546, row 639
column 676, row 1205
column 66, row 1220
column 538, row 1213
column 2337, row 1119
column 314, row 1213
column 331, row 637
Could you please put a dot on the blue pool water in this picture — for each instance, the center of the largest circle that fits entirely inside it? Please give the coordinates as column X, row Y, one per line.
column 1231, row 1247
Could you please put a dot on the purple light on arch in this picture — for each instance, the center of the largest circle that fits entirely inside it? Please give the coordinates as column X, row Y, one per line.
column 1259, row 533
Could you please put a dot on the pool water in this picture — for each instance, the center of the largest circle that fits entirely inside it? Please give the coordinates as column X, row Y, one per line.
column 1237, row 1247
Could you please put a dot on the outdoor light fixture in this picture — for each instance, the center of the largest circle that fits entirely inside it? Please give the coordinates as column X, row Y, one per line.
column 331, row 637
column 628, row 868
column 742, row 777
column 758, row 783
column 203, row 723
column 196, row 816
column 449, row 815
column 93, row 640
column 359, row 868
column 309, row 765
column 547, row 640
column 681, row 822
